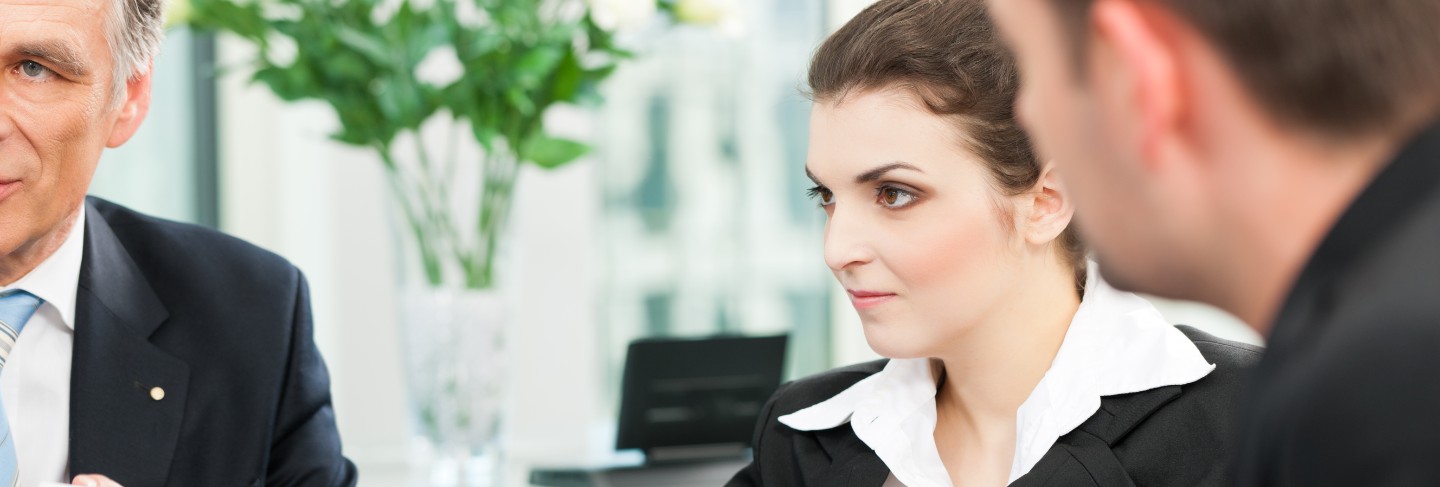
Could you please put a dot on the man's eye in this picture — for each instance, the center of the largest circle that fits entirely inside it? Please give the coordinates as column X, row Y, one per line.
column 34, row 70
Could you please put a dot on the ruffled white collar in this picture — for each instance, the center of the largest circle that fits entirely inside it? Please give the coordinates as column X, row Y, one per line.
column 1117, row 344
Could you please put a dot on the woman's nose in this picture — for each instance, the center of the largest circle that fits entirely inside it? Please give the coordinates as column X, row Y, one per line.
column 846, row 240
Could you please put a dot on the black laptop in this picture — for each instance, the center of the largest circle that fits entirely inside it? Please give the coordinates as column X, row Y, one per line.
column 691, row 406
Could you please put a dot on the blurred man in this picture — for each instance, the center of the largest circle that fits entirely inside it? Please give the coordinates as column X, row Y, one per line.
column 1279, row 159
column 148, row 352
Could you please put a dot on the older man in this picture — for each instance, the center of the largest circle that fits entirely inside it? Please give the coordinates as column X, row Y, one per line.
column 1280, row 159
column 148, row 352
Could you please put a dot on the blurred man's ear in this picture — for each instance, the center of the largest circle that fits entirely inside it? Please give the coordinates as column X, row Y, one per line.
column 132, row 110
column 1136, row 72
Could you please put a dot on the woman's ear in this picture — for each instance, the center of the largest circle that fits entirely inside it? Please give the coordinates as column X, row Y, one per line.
column 1050, row 210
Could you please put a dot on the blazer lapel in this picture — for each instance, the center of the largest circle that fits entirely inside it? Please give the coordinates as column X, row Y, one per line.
column 838, row 458
column 127, row 396
column 1085, row 456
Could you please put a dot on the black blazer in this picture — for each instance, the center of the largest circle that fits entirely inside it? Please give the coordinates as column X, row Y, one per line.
column 1349, row 391
column 1173, row 435
column 223, row 328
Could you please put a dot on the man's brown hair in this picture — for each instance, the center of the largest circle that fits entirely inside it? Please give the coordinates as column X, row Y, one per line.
column 1341, row 68
column 948, row 53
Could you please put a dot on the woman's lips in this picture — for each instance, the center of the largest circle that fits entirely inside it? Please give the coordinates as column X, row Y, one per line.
column 869, row 299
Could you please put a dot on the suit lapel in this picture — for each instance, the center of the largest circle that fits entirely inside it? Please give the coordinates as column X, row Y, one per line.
column 841, row 459
column 1086, row 456
column 118, row 427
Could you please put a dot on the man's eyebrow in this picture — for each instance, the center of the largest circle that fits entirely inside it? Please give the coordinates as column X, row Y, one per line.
column 61, row 55
column 875, row 174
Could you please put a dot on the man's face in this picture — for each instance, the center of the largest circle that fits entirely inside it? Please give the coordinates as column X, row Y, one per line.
column 56, row 115
column 1081, row 125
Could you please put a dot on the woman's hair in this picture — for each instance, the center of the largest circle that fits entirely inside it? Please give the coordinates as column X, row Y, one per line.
column 949, row 54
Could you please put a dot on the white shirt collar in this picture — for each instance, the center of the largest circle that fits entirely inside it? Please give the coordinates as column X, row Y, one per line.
column 1118, row 343
column 57, row 279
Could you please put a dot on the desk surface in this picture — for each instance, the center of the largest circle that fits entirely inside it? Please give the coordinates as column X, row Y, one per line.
column 518, row 471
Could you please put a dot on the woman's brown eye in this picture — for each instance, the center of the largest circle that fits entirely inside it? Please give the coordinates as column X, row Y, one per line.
column 823, row 194
column 894, row 198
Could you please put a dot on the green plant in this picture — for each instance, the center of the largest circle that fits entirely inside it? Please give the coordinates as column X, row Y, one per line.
column 362, row 57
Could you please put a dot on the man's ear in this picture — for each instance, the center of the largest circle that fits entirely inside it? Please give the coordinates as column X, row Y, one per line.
column 132, row 110
column 1137, row 68
column 1050, row 210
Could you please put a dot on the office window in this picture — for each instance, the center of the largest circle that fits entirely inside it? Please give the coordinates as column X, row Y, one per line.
column 168, row 168
column 705, row 225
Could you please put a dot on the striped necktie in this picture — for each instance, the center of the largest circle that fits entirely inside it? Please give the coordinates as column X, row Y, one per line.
column 16, row 307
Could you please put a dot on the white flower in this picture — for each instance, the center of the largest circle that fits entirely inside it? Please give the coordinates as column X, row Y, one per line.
column 724, row 16
column 613, row 15
column 281, row 50
column 704, row 12
column 467, row 14
column 441, row 67
column 384, row 11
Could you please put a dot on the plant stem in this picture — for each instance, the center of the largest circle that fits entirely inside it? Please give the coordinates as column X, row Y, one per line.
column 503, row 200
column 437, row 206
column 429, row 257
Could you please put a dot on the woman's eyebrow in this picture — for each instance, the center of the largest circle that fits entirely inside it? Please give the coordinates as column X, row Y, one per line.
column 879, row 172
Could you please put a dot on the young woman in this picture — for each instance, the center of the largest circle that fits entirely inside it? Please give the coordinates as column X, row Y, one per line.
column 1010, row 362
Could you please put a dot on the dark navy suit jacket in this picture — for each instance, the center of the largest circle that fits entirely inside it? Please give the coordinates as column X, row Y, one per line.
column 1173, row 435
column 224, row 329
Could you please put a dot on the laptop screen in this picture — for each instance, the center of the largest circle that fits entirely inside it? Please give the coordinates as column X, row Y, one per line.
column 697, row 392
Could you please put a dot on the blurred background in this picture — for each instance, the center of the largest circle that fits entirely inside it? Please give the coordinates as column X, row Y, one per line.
column 686, row 218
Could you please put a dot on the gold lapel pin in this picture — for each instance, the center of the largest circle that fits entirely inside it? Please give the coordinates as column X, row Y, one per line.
column 157, row 393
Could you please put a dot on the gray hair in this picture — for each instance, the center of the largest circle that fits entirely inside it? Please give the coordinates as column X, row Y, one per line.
column 134, row 30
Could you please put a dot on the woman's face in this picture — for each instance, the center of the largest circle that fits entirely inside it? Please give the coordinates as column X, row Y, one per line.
column 919, row 236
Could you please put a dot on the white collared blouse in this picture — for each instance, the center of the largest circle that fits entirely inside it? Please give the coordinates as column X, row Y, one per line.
column 1117, row 343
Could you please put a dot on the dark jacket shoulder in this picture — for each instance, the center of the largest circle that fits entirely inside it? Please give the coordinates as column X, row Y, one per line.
column 803, row 393
column 169, row 250
column 1177, row 435
column 1231, row 360
column 225, row 326
column 1174, row 435
column 1222, row 352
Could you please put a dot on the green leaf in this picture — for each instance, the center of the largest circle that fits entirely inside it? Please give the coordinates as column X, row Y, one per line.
column 349, row 66
column 348, row 135
column 244, row 20
column 536, row 65
column 290, row 84
column 432, row 36
column 518, row 62
column 485, row 135
column 521, row 103
column 373, row 48
column 551, row 152
column 360, row 120
column 402, row 102
column 565, row 84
